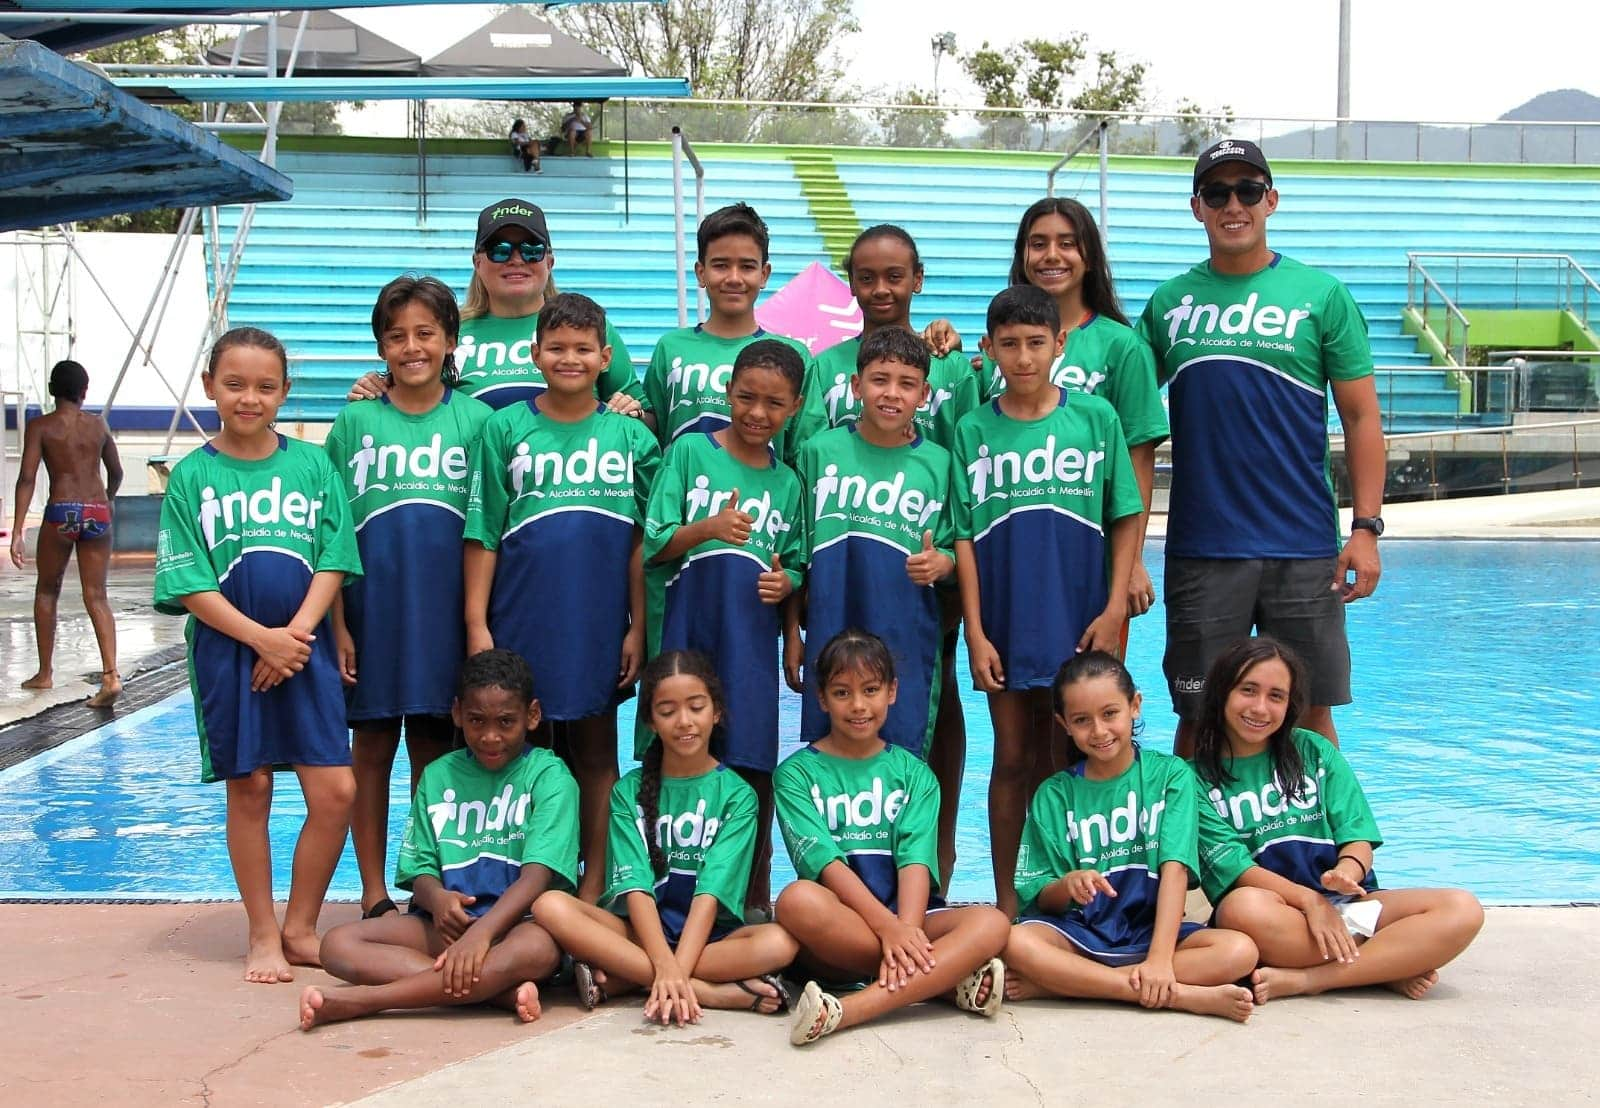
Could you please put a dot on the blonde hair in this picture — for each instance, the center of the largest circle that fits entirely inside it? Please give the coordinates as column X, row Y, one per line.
column 476, row 305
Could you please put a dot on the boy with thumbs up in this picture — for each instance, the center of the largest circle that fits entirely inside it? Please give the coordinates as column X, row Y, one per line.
column 725, row 548
column 881, row 538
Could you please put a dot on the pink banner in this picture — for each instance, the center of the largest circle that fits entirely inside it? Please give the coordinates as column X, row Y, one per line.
column 816, row 308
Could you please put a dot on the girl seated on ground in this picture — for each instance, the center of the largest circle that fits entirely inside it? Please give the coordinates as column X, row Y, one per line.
column 861, row 820
column 1287, row 841
column 1108, row 854
column 683, row 832
column 491, row 827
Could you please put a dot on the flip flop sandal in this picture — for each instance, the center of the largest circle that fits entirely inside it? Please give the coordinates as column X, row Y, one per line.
column 783, row 998
column 591, row 994
column 967, row 992
column 816, row 1014
column 382, row 908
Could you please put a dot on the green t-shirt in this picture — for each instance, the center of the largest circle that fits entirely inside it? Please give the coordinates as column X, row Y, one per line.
column 1108, row 359
column 473, row 830
column 1298, row 839
column 877, row 815
column 830, row 401
column 706, row 827
column 1247, row 361
column 495, row 362
column 686, row 383
column 1125, row 827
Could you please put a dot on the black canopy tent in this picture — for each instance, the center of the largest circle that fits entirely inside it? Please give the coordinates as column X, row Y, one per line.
column 518, row 43
column 330, row 46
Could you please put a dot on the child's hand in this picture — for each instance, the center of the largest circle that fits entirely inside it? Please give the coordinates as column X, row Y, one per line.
column 1336, row 880
column 284, row 649
column 1105, row 633
column 623, row 404
column 942, row 336
column 461, row 963
column 346, row 644
column 19, row 549
column 450, row 914
column 774, row 585
column 1141, row 591
column 478, row 640
column 928, row 565
column 1083, row 885
column 987, row 672
column 632, row 656
column 1153, row 979
column 731, row 525
column 906, row 952
column 794, row 660
column 977, row 363
column 672, row 998
column 1328, row 929
column 264, row 677
column 369, row 386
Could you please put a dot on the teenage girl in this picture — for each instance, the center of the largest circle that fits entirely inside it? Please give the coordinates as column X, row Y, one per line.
column 1059, row 250
column 683, row 830
column 255, row 542
column 404, row 460
column 726, row 543
column 860, row 818
column 1108, row 855
column 1304, row 890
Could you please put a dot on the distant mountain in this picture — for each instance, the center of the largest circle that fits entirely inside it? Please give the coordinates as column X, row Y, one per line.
column 1562, row 105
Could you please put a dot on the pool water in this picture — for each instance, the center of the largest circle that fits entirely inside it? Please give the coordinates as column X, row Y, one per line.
column 1476, row 733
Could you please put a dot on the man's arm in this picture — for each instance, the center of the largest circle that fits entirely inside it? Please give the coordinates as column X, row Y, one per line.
column 1366, row 459
column 23, row 498
column 113, row 463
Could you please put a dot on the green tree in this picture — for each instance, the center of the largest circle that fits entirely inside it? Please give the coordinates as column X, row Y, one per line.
column 1043, row 75
column 1199, row 127
column 913, row 118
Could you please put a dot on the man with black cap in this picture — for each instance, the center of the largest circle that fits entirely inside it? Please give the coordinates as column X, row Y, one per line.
column 1248, row 343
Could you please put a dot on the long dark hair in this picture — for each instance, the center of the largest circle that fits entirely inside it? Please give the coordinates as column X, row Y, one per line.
column 1211, row 752
column 670, row 663
column 1084, row 667
column 1099, row 292
column 434, row 295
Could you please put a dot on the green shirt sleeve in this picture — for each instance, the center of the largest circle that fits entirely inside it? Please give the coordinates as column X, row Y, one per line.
column 960, row 503
column 1223, row 854
column 794, row 545
column 336, row 549
column 1350, row 818
column 725, row 870
column 805, row 833
column 1041, row 858
column 963, row 399
column 419, row 846
column 654, row 387
column 1122, row 488
column 1130, row 386
column 664, row 509
column 813, row 414
column 618, row 375
column 916, row 828
column 1180, row 821
column 646, row 467
column 1148, row 330
column 334, row 444
column 1346, row 350
column 487, row 502
column 627, row 853
column 551, row 838
column 183, row 565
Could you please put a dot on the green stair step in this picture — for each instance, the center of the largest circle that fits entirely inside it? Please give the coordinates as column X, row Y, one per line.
column 829, row 201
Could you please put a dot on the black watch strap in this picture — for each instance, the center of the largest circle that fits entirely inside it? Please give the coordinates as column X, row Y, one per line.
column 1368, row 523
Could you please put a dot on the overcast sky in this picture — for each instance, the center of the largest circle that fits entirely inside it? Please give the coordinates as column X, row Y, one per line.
column 1410, row 59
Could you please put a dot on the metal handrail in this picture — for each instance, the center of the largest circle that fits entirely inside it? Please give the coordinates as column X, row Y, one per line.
column 1569, row 266
column 19, row 399
column 1509, row 429
column 1452, row 312
column 682, row 149
column 1102, row 134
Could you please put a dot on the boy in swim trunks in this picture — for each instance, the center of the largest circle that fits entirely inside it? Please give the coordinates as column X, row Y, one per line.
column 73, row 445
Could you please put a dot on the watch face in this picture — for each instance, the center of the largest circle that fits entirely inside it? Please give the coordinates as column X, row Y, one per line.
column 1368, row 523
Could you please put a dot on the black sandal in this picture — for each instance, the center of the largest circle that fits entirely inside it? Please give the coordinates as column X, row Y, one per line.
column 382, row 908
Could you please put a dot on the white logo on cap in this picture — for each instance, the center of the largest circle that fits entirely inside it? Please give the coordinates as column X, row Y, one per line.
column 1227, row 149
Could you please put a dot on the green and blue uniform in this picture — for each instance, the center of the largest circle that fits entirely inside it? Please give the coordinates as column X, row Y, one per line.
column 831, row 402
column 494, row 360
column 561, row 502
column 256, row 532
column 405, row 477
column 686, row 383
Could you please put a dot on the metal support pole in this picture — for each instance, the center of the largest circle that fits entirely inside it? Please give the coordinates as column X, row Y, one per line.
column 627, row 178
column 677, row 227
column 1105, row 191
column 1343, row 108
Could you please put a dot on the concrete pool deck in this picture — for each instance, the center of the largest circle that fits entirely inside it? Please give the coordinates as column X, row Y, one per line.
column 143, row 1004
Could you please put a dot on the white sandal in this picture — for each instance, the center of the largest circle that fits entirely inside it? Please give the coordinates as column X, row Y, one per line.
column 813, row 1006
column 967, row 992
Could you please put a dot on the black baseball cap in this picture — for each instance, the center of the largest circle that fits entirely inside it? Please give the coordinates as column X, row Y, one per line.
column 1230, row 150
column 511, row 213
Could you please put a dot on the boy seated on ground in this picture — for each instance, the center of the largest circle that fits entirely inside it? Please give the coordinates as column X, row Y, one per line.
column 491, row 828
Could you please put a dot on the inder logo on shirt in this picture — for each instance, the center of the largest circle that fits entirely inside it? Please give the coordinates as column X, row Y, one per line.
column 869, row 808
column 1097, row 831
column 688, row 383
column 856, row 498
column 700, row 502
column 681, row 830
column 267, row 513
column 1249, row 324
column 1043, row 470
column 420, row 468
column 1246, row 808
column 475, row 818
column 476, row 359
column 553, row 473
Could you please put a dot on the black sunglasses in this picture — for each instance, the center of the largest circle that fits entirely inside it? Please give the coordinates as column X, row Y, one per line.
column 500, row 251
column 1215, row 195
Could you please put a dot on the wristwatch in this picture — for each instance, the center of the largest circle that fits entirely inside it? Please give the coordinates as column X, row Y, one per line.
column 1368, row 523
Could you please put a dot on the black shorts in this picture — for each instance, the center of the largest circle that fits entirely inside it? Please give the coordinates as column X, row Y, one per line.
column 1212, row 602
column 434, row 726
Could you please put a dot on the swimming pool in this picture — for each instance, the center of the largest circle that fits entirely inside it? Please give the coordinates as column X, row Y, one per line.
column 1476, row 733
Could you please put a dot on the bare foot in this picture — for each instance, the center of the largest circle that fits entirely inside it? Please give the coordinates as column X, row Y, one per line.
column 110, row 689
column 753, row 994
column 318, row 1007
column 265, row 964
column 1272, row 983
column 41, row 680
column 1228, row 1001
column 527, row 1000
column 1414, row 987
column 303, row 950
column 1019, row 987
column 310, row 1007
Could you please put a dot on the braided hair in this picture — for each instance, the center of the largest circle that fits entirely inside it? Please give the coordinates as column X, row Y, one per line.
column 669, row 663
